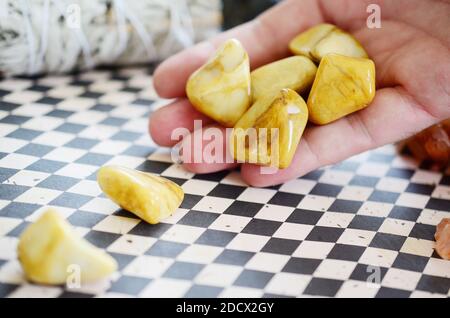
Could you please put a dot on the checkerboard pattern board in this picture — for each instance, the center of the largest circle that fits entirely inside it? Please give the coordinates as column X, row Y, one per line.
column 326, row 234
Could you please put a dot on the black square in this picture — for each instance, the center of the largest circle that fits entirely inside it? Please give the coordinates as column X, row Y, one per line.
column 82, row 143
column 101, row 239
column 60, row 113
column 410, row 262
column 281, row 246
column 11, row 191
column 150, row 230
column 243, row 208
column 71, row 200
column 36, row 150
column 70, row 128
column 423, row 231
column 17, row 231
column 183, row 270
column 153, row 166
column 79, row 82
column 131, row 89
column 215, row 238
column 365, row 222
column 178, row 181
column 261, row 227
column 49, row 100
column 400, row 173
column 39, row 88
column 197, row 218
column 190, row 200
column 6, row 173
column 85, row 219
column 286, row 199
column 313, row 175
column 122, row 259
column 234, row 257
column 384, row 196
column 143, row 101
column 346, row 252
column 102, row 108
column 94, row 159
column 388, row 241
column 71, row 294
column 347, row 166
column 56, row 182
column 345, row 206
column 425, row 189
column 254, row 279
column 14, row 119
column 385, row 292
column 405, row 213
column 24, row 134
column 226, row 191
column 433, row 284
column 6, row 289
column 139, row 151
column 44, row 165
column 324, row 234
column 366, row 273
column 445, row 180
column 306, row 266
column 122, row 212
column 129, row 285
column 19, row 210
column 215, row 177
column 305, row 217
column 7, row 106
column 166, row 249
column 379, row 157
column 113, row 121
column 202, row 291
column 364, row 181
column 323, row 287
column 270, row 295
column 324, row 189
column 89, row 94
column 126, row 136
column 438, row 204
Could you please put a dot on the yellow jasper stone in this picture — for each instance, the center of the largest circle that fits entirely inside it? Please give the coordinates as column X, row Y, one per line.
column 150, row 197
column 50, row 252
column 343, row 85
column 221, row 88
column 269, row 132
column 324, row 39
column 295, row 72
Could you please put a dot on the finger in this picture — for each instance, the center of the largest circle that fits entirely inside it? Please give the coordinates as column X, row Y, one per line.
column 177, row 116
column 391, row 117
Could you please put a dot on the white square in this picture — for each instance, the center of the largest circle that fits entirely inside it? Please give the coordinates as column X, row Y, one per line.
column 148, row 266
column 234, row 178
column 33, row 109
column 241, row 292
column 126, row 161
column 396, row 227
column 413, row 200
column 274, row 212
column 43, row 123
column 356, row 237
column 35, row 291
column 62, row 211
column 76, row 170
column 401, row 279
column 426, row 177
column 12, row 273
column 65, row 154
column 110, row 147
column 182, row 233
column 378, row 257
column 198, row 187
column 418, row 247
column 355, row 193
column 392, row 184
column 441, row 192
column 15, row 84
column 202, row 254
column 17, row 161
column 336, row 177
column 248, row 242
column 138, row 125
column 177, row 171
column 335, row 219
column 55, row 80
column 54, row 138
column 116, row 224
column 6, row 129
column 335, row 269
column 377, row 209
column 298, row 186
column 160, row 154
column 257, row 195
column 8, row 224
column 357, row 289
column 316, row 203
column 218, row 275
column 8, row 247
column 130, row 111
column 176, row 216
column 372, row 169
column 100, row 205
column 288, row 284
column 230, row 223
column 86, row 187
column 166, row 288
column 404, row 162
column 76, row 104
column 267, row 262
column 38, row 195
column 437, row 267
column 312, row 249
column 65, row 91
column 131, row 244
column 423, row 294
column 293, row 231
column 117, row 98
column 27, row 178
column 22, row 97
column 213, row 204
column 99, row 132
column 104, row 86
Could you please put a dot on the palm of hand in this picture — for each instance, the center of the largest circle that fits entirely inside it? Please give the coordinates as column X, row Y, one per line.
column 411, row 51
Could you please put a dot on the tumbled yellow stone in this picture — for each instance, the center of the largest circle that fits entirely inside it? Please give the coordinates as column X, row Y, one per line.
column 150, row 197
column 269, row 132
column 50, row 252
column 295, row 72
column 343, row 85
column 221, row 88
column 324, row 39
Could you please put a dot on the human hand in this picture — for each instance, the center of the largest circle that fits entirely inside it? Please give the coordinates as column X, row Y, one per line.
column 411, row 52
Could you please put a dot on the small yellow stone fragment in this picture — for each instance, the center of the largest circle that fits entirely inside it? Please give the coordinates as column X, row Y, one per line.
column 50, row 251
column 150, row 197
column 295, row 72
column 324, row 39
column 343, row 85
column 269, row 132
column 221, row 88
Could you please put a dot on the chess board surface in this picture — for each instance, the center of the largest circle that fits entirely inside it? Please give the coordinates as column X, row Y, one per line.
column 324, row 234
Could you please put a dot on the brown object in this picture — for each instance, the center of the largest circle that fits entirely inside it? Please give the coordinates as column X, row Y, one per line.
column 442, row 237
